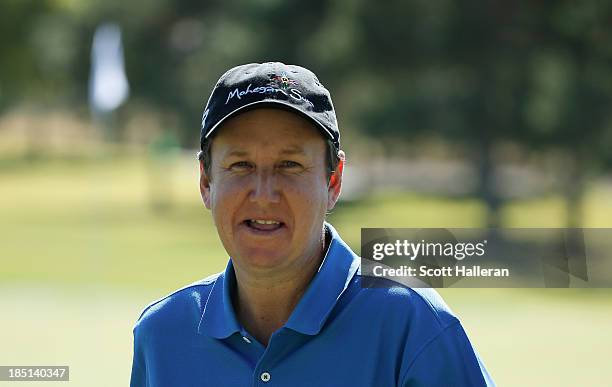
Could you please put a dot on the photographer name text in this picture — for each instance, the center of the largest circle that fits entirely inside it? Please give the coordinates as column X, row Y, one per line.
column 426, row 271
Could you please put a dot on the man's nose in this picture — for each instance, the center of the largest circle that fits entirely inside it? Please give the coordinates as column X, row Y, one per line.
column 265, row 189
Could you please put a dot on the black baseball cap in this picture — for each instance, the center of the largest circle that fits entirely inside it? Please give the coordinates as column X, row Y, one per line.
column 271, row 84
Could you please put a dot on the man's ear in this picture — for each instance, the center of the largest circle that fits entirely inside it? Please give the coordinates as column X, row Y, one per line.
column 204, row 186
column 335, row 183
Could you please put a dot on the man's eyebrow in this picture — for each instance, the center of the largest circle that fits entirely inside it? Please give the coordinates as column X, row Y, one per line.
column 294, row 150
column 237, row 153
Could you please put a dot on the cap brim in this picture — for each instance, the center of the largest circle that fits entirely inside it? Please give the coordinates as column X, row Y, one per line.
column 271, row 103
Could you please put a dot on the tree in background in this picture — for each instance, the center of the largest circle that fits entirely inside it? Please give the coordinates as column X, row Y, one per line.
column 568, row 105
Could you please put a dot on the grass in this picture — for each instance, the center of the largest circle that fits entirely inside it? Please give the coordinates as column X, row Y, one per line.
column 82, row 252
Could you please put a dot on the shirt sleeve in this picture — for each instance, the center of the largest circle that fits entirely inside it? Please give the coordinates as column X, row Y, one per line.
column 447, row 360
column 139, row 374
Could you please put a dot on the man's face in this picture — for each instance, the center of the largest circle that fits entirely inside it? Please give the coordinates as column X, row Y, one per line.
column 268, row 189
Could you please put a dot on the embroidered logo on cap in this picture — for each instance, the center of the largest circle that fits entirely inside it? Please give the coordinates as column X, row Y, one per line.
column 281, row 81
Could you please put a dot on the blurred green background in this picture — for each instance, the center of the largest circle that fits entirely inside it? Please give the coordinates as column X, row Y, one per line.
column 453, row 114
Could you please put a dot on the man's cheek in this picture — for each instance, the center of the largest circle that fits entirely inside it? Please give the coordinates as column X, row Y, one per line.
column 311, row 190
column 221, row 192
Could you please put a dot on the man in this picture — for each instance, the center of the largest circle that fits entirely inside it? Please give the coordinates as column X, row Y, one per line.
column 289, row 310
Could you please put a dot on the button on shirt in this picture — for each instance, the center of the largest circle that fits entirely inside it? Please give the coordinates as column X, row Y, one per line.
column 339, row 334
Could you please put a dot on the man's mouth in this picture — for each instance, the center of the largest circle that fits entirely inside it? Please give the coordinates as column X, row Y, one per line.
column 265, row 225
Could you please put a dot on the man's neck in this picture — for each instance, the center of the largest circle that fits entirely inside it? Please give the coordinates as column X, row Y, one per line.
column 263, row 305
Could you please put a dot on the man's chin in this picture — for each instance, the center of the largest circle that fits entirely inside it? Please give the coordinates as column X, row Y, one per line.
column 262, row 259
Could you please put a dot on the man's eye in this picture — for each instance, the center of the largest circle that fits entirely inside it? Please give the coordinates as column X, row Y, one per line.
column 240, row 166
column 290, row 164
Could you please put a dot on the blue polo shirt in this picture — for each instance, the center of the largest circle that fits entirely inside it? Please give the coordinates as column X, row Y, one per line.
column 339, row 334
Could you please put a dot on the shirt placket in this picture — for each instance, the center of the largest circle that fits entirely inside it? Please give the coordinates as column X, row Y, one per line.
column 263, row 374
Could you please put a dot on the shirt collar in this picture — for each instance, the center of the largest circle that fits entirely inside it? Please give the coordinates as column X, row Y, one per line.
column 218, row 319
column 335, row 273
